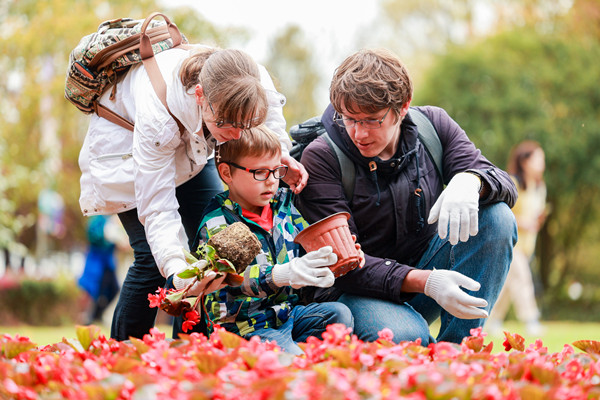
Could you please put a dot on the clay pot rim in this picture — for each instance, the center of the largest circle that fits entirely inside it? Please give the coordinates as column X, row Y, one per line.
column 307, row 229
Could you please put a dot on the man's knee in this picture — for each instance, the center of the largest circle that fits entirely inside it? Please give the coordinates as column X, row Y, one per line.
column 341, row 314
column 498, row 221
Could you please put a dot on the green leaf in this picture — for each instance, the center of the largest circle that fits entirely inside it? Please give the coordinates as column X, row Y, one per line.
column 86, row 335
column 210, row 252
column 189, row 257
column 223, row 265
column 188, row 273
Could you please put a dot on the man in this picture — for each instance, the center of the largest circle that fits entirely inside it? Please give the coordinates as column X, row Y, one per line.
column 414, row 271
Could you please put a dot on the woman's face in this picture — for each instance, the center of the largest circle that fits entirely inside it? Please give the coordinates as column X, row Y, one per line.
column 535, row 164
column 222, row 131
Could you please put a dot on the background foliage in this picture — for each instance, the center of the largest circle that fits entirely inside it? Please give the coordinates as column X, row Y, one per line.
column 537, row 82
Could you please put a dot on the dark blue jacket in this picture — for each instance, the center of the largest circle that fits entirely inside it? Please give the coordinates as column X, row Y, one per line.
column 390, row 233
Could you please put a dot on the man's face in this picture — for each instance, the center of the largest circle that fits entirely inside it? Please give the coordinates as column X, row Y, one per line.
column 380, row 141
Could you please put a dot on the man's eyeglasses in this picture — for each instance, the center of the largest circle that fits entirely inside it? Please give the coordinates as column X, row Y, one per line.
column 366, row 123
column 262, row 174
column 230, row 124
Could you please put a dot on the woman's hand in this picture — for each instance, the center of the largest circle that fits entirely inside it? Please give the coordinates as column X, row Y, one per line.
column 297, row 176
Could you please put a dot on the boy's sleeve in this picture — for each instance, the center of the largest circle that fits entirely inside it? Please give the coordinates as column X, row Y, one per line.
column 258, row 277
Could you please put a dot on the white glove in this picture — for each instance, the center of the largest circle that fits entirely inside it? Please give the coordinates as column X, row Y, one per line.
column 212, row 281
column 444, row 287
column 308, row 270
column 458, row 206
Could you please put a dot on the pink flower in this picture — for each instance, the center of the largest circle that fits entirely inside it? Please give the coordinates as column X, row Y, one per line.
column 478, row 332
column 336, row 334
column 386, row 334
column 573, row 370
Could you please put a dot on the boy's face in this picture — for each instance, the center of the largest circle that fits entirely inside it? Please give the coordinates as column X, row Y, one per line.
column 249, row 193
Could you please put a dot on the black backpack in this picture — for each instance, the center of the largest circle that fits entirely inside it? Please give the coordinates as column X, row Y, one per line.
column 304, row 133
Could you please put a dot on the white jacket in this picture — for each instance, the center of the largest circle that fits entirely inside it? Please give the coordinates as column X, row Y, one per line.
column 122, row 170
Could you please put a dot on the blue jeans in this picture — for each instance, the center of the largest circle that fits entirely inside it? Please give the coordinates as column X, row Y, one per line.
column 485, row 257
column 133, row 316
column 305, row 321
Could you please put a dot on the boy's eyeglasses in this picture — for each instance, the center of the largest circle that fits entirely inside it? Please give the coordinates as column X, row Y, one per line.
column 262, row 174
column 366, row 123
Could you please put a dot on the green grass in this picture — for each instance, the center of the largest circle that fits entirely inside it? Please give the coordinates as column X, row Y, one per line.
column 43, row 335
column 557, row 333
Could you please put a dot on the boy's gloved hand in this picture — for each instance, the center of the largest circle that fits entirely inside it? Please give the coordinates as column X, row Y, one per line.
column 444, row 287
column 458, row 206
column 308, row 270
column 212, row 281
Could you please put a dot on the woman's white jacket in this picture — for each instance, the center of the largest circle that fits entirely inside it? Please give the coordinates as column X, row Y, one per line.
column 122, row 170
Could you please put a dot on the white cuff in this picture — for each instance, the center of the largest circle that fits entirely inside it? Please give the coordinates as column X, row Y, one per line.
column 281, row 274
column 173, row 265
column 433, row 284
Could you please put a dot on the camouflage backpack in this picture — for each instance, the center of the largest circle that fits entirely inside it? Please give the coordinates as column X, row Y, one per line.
column 101, row 58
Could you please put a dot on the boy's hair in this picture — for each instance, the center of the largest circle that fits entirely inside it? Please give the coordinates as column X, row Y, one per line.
column 254, row 142
column 230, row 80
column 370, row 80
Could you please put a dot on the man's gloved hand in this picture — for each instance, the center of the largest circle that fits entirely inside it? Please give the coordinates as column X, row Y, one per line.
column 444, row 287
column 212, row 281
column 458, row 206
column 308, row 270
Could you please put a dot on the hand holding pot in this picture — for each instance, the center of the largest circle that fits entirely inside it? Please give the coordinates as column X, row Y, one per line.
column 308, row 270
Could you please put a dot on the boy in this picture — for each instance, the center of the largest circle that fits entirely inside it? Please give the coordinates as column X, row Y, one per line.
column 265, row 305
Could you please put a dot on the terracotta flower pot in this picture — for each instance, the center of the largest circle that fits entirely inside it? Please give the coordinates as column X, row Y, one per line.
column 332, row 231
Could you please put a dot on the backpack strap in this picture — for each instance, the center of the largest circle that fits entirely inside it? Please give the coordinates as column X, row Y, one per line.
column 347, row 168
column 429, row 137
column 151, row 66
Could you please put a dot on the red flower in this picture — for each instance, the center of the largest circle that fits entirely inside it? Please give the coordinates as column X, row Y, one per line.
column 191, row 319
column 156, row 299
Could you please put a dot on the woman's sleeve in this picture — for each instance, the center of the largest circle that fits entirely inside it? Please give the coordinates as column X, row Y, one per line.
column 275, row 119
column 155, row 140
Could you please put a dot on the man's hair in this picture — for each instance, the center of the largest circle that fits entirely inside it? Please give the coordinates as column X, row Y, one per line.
column 231, row 83
column 254, row 142
column 370, row 80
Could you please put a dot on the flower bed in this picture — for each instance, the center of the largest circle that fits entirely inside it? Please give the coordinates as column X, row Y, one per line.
column 340, row 366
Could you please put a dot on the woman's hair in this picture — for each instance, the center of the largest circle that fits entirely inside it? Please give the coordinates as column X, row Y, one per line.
column 369, row 81
column 259, row 141
column 231, row 83
column 517, row 157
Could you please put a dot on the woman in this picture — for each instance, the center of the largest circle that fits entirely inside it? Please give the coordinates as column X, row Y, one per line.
column 526, row 165
column 158, row 178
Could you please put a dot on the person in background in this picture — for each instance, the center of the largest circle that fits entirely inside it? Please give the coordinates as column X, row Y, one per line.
column 266, row 305
column 159, row 178
column 99, row 277
column 526, row 164
column 435, row 247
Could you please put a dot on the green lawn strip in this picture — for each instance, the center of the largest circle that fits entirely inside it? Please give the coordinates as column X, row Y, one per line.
column 556, row 335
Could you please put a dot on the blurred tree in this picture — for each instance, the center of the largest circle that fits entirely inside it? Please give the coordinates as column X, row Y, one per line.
column 40, row 132
column 536, row 82
column 291, row 66
column 412, row 26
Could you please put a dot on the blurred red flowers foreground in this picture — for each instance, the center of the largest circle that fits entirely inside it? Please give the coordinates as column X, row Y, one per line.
column 337, row 367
